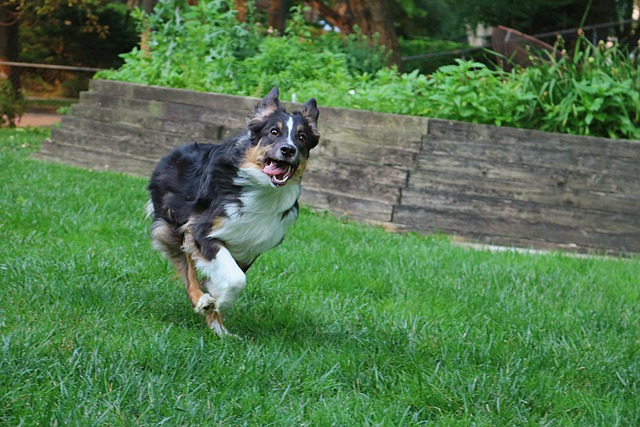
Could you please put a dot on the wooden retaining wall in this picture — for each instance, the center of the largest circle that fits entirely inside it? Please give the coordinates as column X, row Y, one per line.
column 480, row 183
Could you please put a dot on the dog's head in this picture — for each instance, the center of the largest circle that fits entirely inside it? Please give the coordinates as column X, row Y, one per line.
column 281, row 141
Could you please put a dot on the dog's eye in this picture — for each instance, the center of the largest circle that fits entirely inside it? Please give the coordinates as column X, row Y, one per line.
column 302, row 137
column 274, row 131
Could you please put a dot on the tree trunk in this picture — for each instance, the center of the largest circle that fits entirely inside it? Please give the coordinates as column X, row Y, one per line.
column 241, row 9
column 278, row 12
column 145, row 37
column 337, row 15
column 372, row 17
column 9, row 43
column 375, row 17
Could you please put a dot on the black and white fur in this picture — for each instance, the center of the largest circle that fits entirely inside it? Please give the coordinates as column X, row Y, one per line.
column 216, row 208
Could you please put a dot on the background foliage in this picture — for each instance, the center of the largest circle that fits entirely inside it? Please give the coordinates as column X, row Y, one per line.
column 11, row 103
column 62, row 36
column 591, row 91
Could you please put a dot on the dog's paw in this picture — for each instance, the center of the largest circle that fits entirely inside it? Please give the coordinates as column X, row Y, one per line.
column 219, row 329
column 214, row 320
column 223, row 332
column 205, row 303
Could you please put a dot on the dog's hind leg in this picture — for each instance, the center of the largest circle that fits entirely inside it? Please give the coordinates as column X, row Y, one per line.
column 170, row 242
column 202, row 302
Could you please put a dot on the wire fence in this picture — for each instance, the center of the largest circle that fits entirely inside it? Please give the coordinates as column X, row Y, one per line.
column 38, row 94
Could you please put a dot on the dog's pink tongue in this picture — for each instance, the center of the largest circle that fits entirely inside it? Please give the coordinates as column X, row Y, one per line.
column 272, row 169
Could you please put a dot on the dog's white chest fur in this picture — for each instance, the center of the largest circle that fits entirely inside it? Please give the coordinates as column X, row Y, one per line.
column 260, row 221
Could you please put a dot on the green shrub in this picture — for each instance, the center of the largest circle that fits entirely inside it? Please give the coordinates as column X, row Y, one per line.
column 426, row 45
column 74, row 84
column 193, row 47
column 594, row 91
column 11, row 103
column 364, row 55
column 64, row 36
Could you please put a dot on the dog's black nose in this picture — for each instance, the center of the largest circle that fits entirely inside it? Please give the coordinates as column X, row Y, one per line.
column 288, row 151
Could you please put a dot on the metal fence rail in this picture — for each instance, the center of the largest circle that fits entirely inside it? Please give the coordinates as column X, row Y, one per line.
column 46, row 90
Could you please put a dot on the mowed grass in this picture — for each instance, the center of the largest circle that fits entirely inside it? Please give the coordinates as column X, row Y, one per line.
column 343, row 324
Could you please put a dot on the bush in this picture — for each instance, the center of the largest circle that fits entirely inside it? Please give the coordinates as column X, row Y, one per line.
column 425, row 45
column 73, row 84
column 192, row 47
column 364, row 55
column 62, row 37
column 11, row 103
column 594, row 91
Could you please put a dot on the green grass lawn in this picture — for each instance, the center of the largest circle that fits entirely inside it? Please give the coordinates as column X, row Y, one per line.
column 343, row 324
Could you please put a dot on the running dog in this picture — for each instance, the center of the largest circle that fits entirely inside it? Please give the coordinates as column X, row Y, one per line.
column 216, row 208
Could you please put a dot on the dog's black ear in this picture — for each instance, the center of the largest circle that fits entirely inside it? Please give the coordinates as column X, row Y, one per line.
column 311, row 113
column 265, row 108
column 272, row 98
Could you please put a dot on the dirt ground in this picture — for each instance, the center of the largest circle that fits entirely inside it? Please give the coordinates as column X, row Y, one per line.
column 38, row 120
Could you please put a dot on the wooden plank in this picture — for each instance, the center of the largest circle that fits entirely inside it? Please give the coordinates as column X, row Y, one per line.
column 546, row 193
column 341, row 204
column 368, row 120
column 124, row 133
column 111, row 87
column 358, row 179
column 386, row 128
column 216, row 101
column 530, row 154
column 362, row 119
column 91, row 158
column 114, row 102
column 584, row 219
column 229, row 118
column 357, row 170
column 232, row 114
column 240, row 106
column 506, row 136
column 474, row 225
column 143, row 148
column 515, row 242
column 196, row 130
column 535, row 175
column 164, row 94
column 396, row 136
column 355, row 188
column 358, row 151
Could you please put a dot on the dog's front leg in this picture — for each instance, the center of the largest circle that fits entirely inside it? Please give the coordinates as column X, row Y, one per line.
column 224, row 281
column 202, row 303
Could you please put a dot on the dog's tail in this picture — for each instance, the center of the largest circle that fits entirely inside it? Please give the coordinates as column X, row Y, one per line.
column 148, row 210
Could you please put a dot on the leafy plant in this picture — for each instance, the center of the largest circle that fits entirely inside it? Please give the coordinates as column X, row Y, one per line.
column 425, row 45
column 87, row 33
column 194, row 47
column 364, row 55
column 11, row 103
column 593, row 91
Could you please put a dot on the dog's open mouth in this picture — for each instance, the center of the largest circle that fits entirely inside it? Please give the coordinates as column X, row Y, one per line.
column 278, row 171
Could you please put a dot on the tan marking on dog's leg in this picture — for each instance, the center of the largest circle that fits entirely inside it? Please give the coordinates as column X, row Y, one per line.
column 202, row 302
